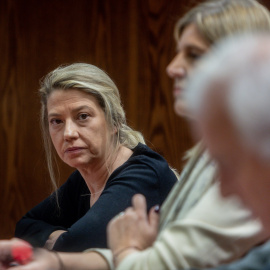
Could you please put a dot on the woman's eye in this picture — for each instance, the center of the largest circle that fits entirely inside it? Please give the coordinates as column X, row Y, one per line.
column 55, row 121
column 194, row 56
column 83, row 116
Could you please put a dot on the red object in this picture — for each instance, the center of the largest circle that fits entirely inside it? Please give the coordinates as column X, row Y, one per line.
column 22, row 253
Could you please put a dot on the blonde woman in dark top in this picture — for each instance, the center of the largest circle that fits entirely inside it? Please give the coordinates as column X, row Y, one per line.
column 83, row 120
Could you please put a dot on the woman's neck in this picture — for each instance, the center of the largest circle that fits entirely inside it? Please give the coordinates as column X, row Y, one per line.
column 97, row 175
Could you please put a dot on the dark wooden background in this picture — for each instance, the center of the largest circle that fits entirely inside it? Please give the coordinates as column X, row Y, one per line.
column 130, row 39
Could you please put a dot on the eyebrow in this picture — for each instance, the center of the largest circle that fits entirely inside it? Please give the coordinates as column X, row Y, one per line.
column 74, row 110
column 192, row 47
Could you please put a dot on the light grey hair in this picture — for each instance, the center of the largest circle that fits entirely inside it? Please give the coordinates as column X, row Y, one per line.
column 240, row 68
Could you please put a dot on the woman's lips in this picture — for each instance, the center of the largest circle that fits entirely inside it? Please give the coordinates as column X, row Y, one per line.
column 73, row 149
column 177, row 91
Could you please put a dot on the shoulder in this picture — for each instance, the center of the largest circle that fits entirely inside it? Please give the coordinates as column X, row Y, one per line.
column 199, row 168
column 144, row 164
column 144, row 154
column 145, row 172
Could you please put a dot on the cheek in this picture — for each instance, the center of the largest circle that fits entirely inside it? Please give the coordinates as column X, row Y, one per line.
column 226, row 180
column 55, row 139
column 210, row 140
column 216, row 144
column 190, row 68
column 98, row 136
column 235, row 181
column 229, row 174
column 180, row 107
column 253, row 189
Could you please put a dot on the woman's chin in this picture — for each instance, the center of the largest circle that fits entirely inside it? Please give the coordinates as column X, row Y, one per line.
column 180, row 109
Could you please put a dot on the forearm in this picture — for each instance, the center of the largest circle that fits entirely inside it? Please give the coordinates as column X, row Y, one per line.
column 36, row 232
column 148, row 259
column 117, row 259
column 83, row 261
column 190, row 244
column 52, row 239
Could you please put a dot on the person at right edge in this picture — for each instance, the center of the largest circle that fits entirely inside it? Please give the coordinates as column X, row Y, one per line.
column 197, row 227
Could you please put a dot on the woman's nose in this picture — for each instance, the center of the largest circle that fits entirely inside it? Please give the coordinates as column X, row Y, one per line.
column 70, row 131
column 176, row 68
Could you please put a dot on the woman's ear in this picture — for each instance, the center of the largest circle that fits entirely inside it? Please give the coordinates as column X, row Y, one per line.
column 114, row 130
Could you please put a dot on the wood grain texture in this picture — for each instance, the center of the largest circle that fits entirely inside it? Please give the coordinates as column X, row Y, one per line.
column 130, row 39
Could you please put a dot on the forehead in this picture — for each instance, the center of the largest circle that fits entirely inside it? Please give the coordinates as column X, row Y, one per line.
column 70, row 97
column 192, row 37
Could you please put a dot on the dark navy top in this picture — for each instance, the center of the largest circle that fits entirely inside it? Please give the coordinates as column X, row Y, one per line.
column 145, row 172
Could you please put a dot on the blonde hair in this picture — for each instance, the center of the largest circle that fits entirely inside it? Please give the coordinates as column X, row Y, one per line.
column 216, row 19
column 91, row 80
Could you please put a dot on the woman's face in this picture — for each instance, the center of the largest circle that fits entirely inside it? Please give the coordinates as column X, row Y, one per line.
column 190, row 47
column 78, row 128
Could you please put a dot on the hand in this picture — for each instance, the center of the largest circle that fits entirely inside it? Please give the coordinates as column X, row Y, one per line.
column 6, row 252
column 52, row 239
column 134, row 228
column 41, row 260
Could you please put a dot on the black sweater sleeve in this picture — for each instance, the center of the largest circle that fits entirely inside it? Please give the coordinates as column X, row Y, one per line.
column 48, row 216
column 86, row 227
column 138, row 178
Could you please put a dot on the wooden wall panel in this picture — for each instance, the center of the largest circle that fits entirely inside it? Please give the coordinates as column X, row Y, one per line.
column 130, row 39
